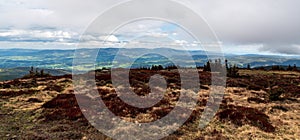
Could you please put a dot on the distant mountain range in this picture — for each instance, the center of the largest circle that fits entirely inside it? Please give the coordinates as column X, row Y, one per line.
column 19, row 60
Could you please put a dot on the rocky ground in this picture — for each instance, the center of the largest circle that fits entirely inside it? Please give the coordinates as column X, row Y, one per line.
column 256, row 105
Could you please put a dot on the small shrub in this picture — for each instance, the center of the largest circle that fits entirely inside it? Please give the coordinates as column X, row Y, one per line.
column 52, row 87
column 276, row 93
column 34, row 100
column 279, row 108
column 233, row 72
column 239, row 116
column 256, row 100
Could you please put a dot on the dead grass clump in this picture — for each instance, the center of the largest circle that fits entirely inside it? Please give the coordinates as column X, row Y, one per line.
column 202, row 102
column 53, row 87
column 4, row 86
column 34, row 100
column 227, row 100
column 59, row 114
column 254, row 87
column 214, row 135
column 120, row 108
column 64, row 106
column 205, row 78
column 277, row 107
column 28, row 83
column 256, row 100
column 275, row 94
column 171, row 137
column 10, row 93
column 237, row 83
column 239, row 116
column 194, row 116
column 103, row 76
column 204, row 87
column 65, row 80
column 61, row 101
column 101, row 83
column 161, row 111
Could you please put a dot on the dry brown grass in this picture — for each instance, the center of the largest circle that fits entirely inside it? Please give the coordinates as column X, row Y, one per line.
column 46, row 111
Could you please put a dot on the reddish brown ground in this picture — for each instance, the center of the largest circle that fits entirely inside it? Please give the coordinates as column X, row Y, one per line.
column 257, row 105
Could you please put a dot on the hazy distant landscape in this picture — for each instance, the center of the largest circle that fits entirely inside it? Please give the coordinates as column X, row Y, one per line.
column 14, row 63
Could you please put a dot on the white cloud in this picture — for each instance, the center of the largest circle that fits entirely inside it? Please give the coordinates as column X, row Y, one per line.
column 275, row 24
column 180, row 42
column 110, row 38
column 38, row 35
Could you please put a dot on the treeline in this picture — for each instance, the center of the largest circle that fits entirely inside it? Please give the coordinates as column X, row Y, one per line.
column 159, row 67
column 289, row 68
column 35, row 72
column 217, row 66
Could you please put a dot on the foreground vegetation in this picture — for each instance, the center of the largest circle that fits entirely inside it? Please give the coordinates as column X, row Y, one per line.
column 257, row 105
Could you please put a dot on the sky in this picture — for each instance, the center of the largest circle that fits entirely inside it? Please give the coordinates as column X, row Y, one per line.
column 242, row 27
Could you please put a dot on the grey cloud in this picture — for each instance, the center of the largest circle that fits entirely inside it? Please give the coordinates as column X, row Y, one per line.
column 71, row 14
column 281, row 48
column 269, row 22
column 274, row 23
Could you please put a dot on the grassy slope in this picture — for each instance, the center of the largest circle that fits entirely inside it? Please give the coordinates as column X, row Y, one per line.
column 23, row 115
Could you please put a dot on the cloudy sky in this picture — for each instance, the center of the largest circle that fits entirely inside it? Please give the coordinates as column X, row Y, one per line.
column 248, row 26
